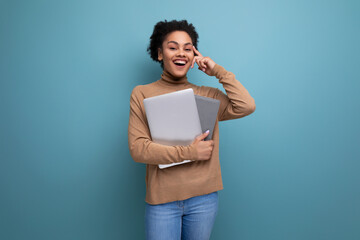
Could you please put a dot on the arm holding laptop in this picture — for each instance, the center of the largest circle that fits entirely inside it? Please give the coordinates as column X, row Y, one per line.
column 144, row 150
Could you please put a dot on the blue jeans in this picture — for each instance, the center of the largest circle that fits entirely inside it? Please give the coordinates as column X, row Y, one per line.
column 190, row 219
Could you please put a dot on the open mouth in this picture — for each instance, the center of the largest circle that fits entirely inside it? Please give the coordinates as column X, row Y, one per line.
column 180, row 62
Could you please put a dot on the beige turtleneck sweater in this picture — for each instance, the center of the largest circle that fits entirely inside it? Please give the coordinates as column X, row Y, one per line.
column 191, row 179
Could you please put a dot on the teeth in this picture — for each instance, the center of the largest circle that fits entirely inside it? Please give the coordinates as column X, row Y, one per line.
column 182, row 62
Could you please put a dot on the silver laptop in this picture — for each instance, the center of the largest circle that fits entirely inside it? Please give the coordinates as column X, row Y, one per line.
column 173, row 119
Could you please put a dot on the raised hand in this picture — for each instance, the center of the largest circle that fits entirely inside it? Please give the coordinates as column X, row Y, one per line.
column 205, row 64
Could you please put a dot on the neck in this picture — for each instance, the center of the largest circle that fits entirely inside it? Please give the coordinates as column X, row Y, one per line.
column 169, row 78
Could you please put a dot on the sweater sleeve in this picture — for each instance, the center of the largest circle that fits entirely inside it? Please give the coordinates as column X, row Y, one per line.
column 237, row 102
column 142, row 148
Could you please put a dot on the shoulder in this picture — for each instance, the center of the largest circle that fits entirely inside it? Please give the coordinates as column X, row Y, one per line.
column 142, row 89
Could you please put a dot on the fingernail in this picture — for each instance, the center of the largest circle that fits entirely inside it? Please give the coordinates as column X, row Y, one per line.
column 203, row 69
column 207, row 131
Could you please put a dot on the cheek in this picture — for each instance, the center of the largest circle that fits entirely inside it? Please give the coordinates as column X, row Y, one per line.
column 191, row 58
column 167, row 55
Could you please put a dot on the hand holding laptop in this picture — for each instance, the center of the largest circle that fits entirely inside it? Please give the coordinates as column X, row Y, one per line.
column 203, row 148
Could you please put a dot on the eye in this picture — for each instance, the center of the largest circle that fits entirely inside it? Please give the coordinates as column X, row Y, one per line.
column 188, row 50
column 172, row 48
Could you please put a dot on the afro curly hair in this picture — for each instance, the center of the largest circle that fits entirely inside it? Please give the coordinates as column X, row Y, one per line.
column 162, row 28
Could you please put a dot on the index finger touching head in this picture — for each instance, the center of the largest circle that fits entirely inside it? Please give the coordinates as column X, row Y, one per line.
column 197, row 53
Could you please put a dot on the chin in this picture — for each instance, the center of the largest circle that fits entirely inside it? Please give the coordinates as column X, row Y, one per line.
column 179, row 74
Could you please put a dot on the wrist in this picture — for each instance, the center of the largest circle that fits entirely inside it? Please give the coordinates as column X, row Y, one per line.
column 193, row 154
column 218, row 71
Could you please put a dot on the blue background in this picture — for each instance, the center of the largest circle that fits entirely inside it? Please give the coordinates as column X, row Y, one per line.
column 290, row 170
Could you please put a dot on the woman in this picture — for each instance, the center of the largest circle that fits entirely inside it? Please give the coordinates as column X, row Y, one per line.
column 182, row 201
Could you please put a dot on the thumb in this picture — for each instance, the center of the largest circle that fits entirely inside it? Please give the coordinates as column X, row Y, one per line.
column 203, row 136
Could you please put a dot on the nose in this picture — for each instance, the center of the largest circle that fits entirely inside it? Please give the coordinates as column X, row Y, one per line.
column 181, row 53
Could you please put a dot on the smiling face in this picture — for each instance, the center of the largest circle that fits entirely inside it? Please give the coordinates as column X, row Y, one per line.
column 177, row 53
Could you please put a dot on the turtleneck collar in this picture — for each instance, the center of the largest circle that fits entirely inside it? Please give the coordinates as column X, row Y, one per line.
column 169, row 78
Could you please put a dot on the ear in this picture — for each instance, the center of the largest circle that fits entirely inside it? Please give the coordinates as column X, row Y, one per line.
column 160, row 55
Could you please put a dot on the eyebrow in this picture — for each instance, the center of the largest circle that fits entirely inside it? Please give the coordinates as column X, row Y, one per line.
column 178, row 43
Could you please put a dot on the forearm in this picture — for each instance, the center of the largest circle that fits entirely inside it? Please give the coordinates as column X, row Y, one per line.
column 238, row 102
column 145, row 151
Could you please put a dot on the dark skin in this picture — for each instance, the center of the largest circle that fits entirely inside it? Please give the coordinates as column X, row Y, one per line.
column 178, row 45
